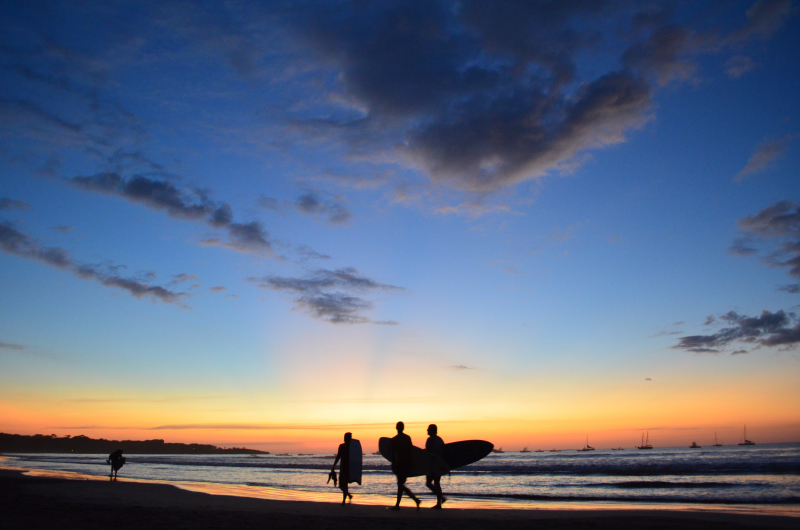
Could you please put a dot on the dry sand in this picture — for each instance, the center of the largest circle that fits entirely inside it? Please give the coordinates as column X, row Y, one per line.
column 29, row 503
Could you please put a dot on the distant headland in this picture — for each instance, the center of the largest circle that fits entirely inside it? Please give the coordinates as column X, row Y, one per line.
column 41, row 443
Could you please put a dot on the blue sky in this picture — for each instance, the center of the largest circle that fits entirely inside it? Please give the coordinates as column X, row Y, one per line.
column 241, row 219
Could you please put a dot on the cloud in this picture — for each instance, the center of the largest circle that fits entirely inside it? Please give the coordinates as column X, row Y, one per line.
column 485, row 95
column 331, row 296
column 764, row 18
column 12, row 241
column 334, row 209
column 163, row 195
column 764, row 156
column 307, row 253
column 183, row 277
column 769, row 329
column 738, row 65
column 11, row 346
column 63, row 229
column 776, row 228
column 218, row 288
column 11, row 204
column 665, row 333
column 312, row 203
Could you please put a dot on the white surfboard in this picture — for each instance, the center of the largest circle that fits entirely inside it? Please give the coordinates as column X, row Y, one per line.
column 355, row 461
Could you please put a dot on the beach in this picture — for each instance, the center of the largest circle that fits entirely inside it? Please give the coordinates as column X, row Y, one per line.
column 32, row 502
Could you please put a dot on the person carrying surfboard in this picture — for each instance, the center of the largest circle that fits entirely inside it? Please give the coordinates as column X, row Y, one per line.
column 435, row 446
column 344, row 467
column 401, row 464
column 117, row 461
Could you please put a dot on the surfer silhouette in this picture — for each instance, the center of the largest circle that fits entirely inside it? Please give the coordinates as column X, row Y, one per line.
column 117, row 461
column 344, row 467
column 401, row 464
column 435, row 446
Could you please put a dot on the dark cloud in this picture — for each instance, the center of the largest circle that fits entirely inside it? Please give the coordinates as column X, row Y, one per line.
column 63, row 229
column 15, row 242
column 487, row 94
column 775, row 229
column 769, row 329
column 192, row 205
column 334, row 210
column 11, row 204
column 793, row 288
column 328, row 295
column 11, row 346
column 218, row 288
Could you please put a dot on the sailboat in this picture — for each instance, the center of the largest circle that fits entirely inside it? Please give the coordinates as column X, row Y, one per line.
column 744, row 438
column 587, row 447
column 645, row 443
column 716, row 443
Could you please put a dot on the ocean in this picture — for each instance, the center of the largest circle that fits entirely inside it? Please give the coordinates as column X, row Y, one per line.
column 760, row 476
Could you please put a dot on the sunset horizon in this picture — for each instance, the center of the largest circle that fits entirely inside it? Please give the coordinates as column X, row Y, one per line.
column 268, row 224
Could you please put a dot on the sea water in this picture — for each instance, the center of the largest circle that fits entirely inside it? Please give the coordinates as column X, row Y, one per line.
column 731, row 475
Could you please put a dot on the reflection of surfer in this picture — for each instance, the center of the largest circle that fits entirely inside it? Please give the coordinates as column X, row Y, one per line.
column 117, row 461
column 344, row 467
column 435, row 446
column 401, row 463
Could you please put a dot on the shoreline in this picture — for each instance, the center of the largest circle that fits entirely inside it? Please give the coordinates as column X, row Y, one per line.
column 40, row 498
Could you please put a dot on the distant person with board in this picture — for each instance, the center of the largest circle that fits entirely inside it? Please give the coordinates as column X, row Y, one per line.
column 435, row 446
column 117, row 461
column 350, row 468
column 401, row 463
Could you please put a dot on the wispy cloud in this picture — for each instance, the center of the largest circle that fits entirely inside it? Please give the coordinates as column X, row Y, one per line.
column 11, row 204
column 11, row 346
column 330, row 295
column 193, row 205
column 333, row 208
column 12, row 241
column 765, row 156
column 776, row 230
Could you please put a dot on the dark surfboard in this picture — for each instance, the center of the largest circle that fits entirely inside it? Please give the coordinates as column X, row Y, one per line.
column 460, row 454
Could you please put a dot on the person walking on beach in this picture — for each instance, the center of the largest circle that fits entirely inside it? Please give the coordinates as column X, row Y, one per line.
column 401, row 464
column 435, row 446
column 344, row 468
column 117, row 461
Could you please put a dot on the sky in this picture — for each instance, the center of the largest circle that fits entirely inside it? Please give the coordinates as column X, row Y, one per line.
column 264, row 224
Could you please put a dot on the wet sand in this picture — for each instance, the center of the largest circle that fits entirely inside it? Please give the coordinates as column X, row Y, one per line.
column 31, row 502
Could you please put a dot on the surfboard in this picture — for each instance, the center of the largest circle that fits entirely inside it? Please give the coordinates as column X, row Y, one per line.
column 422, row 462
column 355, row 461
column 117, row 464
column 465, row 452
